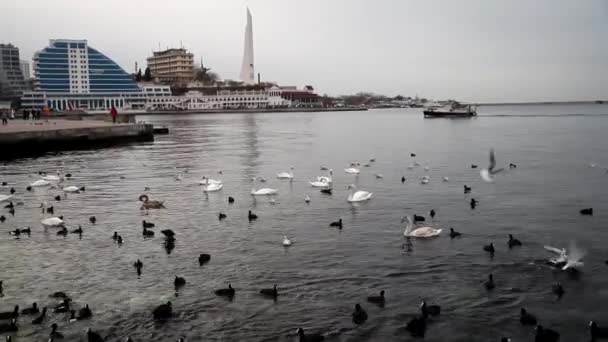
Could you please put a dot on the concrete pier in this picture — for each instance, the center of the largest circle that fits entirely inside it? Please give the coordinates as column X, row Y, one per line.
column 29, row 138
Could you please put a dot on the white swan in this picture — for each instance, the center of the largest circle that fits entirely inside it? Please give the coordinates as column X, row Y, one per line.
column 72, row 188
column 263, row 192
column 358, row 196
column 5, row 197
column 286, row 175
column 40, row 182
column 52, row 222
column 213, row 187
column 208, row 181
column 420, row 232
column 352, row 170
column 286, row 241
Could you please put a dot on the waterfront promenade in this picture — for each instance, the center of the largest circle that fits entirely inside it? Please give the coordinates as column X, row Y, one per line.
column 25, row 138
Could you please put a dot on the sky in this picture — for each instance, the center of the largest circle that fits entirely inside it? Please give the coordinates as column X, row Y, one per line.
column 471, row 50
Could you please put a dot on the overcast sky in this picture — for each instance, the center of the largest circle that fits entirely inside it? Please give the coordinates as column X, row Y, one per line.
column 475, row 50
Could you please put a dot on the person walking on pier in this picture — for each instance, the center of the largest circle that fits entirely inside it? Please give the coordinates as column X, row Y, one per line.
column 114, row 114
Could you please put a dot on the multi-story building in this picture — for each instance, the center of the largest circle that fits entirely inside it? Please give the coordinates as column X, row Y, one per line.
column 12, row 83
column 71, row 75
column 172, row 66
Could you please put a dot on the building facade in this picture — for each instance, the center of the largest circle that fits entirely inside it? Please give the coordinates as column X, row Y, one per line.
column 172, row 66
column 12, row 83
column 71, row 75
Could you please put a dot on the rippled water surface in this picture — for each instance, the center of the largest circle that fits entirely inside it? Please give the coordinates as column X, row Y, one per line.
column 326, row 271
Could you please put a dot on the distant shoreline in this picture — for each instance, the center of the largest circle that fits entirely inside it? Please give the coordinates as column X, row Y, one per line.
column 536, row 103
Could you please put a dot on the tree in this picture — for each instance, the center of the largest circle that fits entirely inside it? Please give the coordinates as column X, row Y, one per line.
column 147, row 75
column 138, row 76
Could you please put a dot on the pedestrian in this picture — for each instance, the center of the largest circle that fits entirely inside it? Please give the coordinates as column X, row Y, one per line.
column 114, row 114
column 4, row 118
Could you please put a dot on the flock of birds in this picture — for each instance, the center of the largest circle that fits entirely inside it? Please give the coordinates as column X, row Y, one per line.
column 414, row 228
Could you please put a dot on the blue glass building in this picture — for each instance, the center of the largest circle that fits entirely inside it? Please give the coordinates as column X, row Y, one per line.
column 70, row 75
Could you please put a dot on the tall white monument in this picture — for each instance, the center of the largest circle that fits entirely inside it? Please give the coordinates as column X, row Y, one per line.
column 247, row 73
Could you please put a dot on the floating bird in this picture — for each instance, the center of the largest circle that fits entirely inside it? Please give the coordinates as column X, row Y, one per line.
column 163, row 311
column 558, row 290
column 251, row 216
column 587, row 211
column 454, row 233
column 31, row 310
column 39, row 319
column 359, row 315
column 337, row 224
column 147, row 224
column 489, row 248
column 378, row 300
column 420, row 232
column 546, row 335
column 286, row 242
column 203, row 259
column 526, row 318
column 230, row 199
column 513, row 242
column 263, row 192
column 489, row 284
column 429, row 310
column 92, row 219
column 467, row 189
column 221, row 216
column 271, row 293
column 488, row 174
column 310, row 337
column 226, row 292
column 286, row 175
column 597, row 332
column 149, row 204
column 432, row 213
column 179, row 282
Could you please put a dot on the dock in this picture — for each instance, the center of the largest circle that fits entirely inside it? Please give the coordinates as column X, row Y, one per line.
column 25, row 138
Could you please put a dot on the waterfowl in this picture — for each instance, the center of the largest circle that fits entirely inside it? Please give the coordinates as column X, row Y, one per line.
column 597, row 332
column 168, row 233
column 432, row 213
column 203, row 259
column 179, row 282
column 85, row 313
column 467, row 189
column 558, row 290
column 251, row 216
column 10, row 314
column 587, row 211
column 31, row 310
column 230, row 199
column 513, row 242
column 358, row 195
column 138, row 266
column 221, row 216
column 420, row 232
column 9, row 327
column 430, row 310
column 147, row 233
column 92, row 219
column 526, row 318
column 337, row 224
column 39, row 319
column 359, row 315
column 286, row 241
column 546, row 335
column 63, row 307
column 489, row 284
column 226, row 292
column 93, row 336
column 147, row 224
column 53, row 222
column 378, row 300
column 272, row 293
column 263, row 192
column 418, row 218
column 63, row 231
column 148, row 204
column 417, row 326
column 454, row 233
column 309, row 338
column 163, row 311
column 489, row 248
column 286, row 175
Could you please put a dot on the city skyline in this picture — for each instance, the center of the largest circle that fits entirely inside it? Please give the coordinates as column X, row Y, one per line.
column 473, row 51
